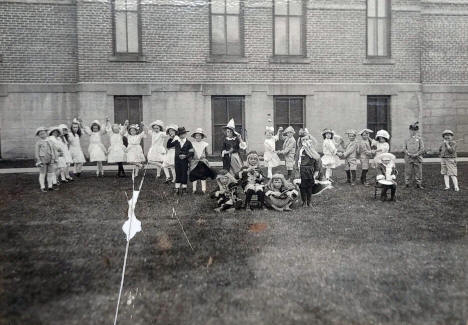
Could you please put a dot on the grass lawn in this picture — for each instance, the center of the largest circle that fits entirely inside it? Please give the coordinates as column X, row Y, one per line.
column 349, row 259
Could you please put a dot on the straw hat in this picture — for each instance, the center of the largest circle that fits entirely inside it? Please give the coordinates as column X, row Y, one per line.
column 365, row 130
column 289, row 129
column 270, row 129
column 158, row 123
column 171, row 127
column 55, row 128
column 96, row 122
column 41, row 128
column 382, row 133
column 63, row 127
column 447, row 132
column 325, row 131
column 136, row 127
column 387, row 156
column 351, row 131
column 199, row 131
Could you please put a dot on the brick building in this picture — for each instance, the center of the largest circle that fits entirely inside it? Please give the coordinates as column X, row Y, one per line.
column 314, row 63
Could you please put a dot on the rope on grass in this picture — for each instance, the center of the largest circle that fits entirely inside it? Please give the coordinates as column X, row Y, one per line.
column 174, row 214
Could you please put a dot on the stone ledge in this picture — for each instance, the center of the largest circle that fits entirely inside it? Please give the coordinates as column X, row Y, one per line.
column 289, row 59
column 127, row 58
column 49, row 2
column 379, row 61
column 227, row 59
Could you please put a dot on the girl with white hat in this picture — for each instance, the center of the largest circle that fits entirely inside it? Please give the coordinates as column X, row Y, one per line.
column 116, row 150
column 97, row 151
column 169, row 159
column 289, row 149
column 330, row 160
column 381, row 144
column 55, row 134
column 270, row 157
column 75, row 147
column 448, row 160
column 66, row 152
column 157, row 152
column 45, row 159
column 135, row 155
column 199, row 165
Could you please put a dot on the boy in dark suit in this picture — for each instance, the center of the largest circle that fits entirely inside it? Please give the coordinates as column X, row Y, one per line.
column 183, row 153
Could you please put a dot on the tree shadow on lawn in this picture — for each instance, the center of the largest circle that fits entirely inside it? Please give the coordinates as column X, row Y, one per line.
column 349, row 259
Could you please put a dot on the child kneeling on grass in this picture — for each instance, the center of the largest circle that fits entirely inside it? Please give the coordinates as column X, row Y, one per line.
column 386, row 176
column 448, row 160
column 280, row 194
column 226, row 192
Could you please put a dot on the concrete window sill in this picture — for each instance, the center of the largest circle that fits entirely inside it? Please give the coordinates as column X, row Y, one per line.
column 289, row 60
column 227, row 59
column 379, row 61
column 127, row 58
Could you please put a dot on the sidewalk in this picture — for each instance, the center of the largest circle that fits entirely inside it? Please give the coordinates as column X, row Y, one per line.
column 212, row 164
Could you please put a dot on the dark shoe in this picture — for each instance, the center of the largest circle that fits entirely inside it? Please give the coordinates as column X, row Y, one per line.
column 183, row 191
column 393, row 199
column 167, row 181
column 78, row 174
column 419, row 186
column 43, row 190
column 407, row 185
column 177, row 191
column 69, row 179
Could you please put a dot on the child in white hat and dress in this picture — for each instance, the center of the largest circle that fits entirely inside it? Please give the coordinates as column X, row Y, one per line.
column 75, row 147
column 365, row 153
column 386, row 176
column 199, row 166
column 135, row 155
column 330, row 159
column 169, row 158
column 157, row 151
column 116, row 151
column 270, row 157
column 448, row 160
column 97, row 150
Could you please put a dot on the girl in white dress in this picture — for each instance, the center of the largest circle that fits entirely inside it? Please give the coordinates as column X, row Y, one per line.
column 157, row 152
column 270, row 157
column 97, row 151
column 169, row 159
column 381, row 145
column 75, row 147
column 55, row 139
column 330, row 160
column 116, row 150
column 199, row 165
column 66, row 152
column 135, row 155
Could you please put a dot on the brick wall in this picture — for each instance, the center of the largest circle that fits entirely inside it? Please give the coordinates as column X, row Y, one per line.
column 37, row 42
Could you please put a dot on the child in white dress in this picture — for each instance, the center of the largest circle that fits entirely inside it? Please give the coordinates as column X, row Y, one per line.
column 330, row 160
column 135, row 155
column 157, row 152
column 116, row 151
column 66, row 152
column 97, row 151
column 55, row 139
column 199, row 165
column 381, row 145
column 270, row 157
column 75, row 147
column 169, row 159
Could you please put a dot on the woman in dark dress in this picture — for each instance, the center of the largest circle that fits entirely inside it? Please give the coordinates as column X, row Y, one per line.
column 231, row 146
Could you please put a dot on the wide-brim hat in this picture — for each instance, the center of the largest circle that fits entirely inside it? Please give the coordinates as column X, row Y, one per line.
column 269, row 129
column 134, row 126
column 181, row 130
column 351, row 131
column 199, row 131
column 41, row 128
column 365, row 130
column 325, row 131
column 289, row 129
column 158, row 123
column 63, row 126
column 414, row 126
column 224, row 173
column 55, row 128
column 231, row 125
column 387, row 156
column 383, row 134
column 171, row 127
column 96, row 122
column 447, row 132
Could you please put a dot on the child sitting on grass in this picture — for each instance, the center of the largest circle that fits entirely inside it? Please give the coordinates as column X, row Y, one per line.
column 225, row 193
column 280, row 194
column 386, row 176
column 448, row 160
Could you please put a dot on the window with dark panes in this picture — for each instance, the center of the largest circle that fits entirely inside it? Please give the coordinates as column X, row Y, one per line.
column 378, row 113
column 378, row 28
column 288, row 27
column 288, row 111
column 224, row 108
column 226, row 27
column 128, row 108
column 126, row 26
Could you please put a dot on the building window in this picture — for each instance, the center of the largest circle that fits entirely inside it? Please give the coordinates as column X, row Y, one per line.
column 378, row 28
column 226, row 27
column 289, row 110
column 128, row 108
column 224, row 108
column 288, row 27
column 378, row 113
column 126, row 18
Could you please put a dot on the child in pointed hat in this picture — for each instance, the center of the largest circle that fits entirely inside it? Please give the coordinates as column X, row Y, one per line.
column 76, row 152
column 169, row 159
column 117, row 150
column 289, row 149
column 365, row 153
column 309, row 164
column 414, row 151
column 135, row 155
column 330, row 160
column 448, row 160
column 45, row 159
column 270, row 157
column 199, row 165
column 232, row 145
column 97, row 151
column 157, row 152
column 183, row 153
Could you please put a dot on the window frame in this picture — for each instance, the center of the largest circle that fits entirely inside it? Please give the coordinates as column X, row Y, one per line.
column 213, row 125
column 303, row 31
column 240, row 15
column 388, row 19
column 388, row 115
column 289, row 97
column 126, row 55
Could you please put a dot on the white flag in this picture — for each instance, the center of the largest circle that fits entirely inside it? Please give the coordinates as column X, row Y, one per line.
column 132, row 225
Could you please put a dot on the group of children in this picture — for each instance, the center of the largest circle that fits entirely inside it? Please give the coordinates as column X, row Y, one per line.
column 181, row 160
